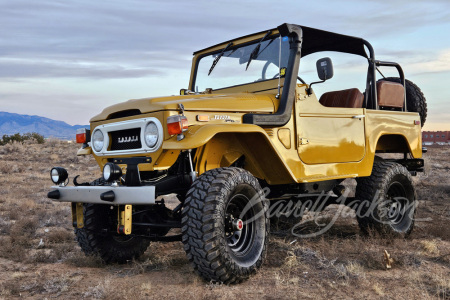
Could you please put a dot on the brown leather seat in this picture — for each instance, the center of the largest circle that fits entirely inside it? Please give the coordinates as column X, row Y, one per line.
column 390, row 94
column 351, row 98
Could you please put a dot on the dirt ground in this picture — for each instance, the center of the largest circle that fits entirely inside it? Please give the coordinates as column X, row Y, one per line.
column 39, row 257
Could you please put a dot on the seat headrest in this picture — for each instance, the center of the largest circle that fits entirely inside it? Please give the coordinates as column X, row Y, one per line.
column 350, row 98
column 390, row 94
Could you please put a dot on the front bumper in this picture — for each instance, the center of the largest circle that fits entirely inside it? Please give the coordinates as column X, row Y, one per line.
column 119, row 195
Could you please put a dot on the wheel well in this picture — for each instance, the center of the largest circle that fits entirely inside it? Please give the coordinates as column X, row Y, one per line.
column 392, row 143
column 252, row 149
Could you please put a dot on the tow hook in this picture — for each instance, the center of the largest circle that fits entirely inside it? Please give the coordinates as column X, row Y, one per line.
column 76, row 183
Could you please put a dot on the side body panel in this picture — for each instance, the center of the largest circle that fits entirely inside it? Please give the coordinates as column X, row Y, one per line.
column 276, row 154
column 339, row 146
column 376, row 124
column 329, row 134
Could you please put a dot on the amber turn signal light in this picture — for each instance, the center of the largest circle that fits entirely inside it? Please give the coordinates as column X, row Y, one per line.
column 202, row 118
column 177, row 124
column 83, row 135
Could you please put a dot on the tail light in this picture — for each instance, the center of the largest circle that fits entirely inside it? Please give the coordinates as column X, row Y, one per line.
column 83, row 136
column 177, row 124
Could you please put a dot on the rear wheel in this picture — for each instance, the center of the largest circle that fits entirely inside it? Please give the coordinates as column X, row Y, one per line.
column 224, row 225
column 388, row 197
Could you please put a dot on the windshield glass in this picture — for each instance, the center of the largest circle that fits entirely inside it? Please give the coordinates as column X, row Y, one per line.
column 230, row 69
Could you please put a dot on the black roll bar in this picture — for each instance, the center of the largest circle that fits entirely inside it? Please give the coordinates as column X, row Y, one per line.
column 400, row 72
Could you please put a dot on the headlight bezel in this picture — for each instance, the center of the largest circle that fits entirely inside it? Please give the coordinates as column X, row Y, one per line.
column 142, row 123
column 93, row 140
column 155, row 128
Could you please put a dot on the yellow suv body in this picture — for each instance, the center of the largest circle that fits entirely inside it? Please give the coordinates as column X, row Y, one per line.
column 248, row 121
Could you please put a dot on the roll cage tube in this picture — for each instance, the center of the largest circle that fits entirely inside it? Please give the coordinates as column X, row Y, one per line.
column 401, row 74
column 283, row 114
column 371, row 89
column 371, row 78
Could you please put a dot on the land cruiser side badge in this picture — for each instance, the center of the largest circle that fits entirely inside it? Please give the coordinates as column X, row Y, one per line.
column 221, row 117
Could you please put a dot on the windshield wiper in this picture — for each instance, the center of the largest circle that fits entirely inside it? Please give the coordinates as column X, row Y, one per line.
column 254, row 54
column 216, row 60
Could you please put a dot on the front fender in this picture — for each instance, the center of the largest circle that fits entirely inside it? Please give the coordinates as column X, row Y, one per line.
column 199, row 135
column 84, row 151
column 220, row 145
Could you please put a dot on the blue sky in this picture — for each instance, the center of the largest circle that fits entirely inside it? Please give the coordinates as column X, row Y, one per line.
column 67, row 60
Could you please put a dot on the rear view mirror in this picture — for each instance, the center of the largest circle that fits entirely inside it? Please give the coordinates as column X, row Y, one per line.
column 324, row 68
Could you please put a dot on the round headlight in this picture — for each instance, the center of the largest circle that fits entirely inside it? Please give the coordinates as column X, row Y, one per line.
column 151, row 134
column 107, row 172
column 111, row 172
column 98, row 140
column 58, row 175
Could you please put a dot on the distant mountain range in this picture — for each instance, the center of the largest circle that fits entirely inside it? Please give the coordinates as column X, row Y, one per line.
column 11, row 123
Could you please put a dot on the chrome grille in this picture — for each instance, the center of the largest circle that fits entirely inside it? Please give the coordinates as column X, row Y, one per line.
column 125, row 139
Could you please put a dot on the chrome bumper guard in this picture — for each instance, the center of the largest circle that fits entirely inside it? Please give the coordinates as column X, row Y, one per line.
column 119, row 195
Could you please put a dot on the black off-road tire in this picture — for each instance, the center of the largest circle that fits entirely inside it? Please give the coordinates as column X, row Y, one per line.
column 212, row 200
column 389, row 200
column 415, row 99
column 110, row 247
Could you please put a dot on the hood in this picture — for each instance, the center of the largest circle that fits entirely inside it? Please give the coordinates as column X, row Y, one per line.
column 242, row 102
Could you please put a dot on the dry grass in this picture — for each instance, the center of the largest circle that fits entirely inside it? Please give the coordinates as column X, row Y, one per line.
column 39, row 257
column 429, row 247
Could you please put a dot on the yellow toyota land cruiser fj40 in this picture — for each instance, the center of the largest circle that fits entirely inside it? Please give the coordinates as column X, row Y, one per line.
column 249, row 130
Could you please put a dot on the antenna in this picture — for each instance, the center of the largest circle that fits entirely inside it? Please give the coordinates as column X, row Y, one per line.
column 279, row 69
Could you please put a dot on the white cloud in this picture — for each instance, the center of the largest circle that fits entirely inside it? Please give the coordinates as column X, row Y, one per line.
column 438, row 64
column 101, row 52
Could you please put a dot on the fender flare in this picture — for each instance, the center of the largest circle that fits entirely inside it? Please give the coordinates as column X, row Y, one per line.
column 199, row 135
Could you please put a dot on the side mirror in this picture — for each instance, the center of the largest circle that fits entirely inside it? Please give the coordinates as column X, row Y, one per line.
column 324, row 68
column 324, row 71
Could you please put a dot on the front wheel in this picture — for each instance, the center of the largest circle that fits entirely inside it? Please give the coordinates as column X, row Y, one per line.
column 95, row 238
column 224, row 225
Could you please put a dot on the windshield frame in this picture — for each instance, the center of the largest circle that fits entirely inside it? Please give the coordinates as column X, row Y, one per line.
column 316, row 41
column 255, row 41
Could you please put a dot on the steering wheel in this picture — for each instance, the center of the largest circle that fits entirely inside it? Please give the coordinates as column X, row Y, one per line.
column 264, row 70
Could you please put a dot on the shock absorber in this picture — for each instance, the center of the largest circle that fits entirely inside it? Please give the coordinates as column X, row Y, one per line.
column 192, row 173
